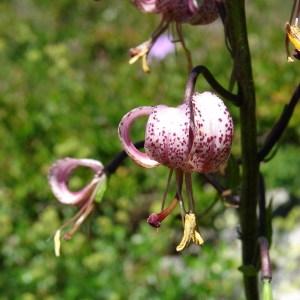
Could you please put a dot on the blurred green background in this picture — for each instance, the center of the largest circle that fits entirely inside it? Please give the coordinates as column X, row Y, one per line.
column 65, row 83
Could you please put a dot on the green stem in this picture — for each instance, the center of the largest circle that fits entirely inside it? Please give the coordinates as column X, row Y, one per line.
column 237, row 35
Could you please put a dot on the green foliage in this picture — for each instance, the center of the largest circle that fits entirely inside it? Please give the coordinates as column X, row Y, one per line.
column 65, row 84
column 284, row 169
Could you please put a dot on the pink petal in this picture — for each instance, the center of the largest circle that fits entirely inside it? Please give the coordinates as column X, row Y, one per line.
column 213, row 134
column 60, row 172
column 146, row 6
column 140, row 158
column 167, row 135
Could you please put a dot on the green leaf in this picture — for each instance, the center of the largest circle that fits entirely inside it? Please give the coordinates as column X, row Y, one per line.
column 102, row 189
column 248, row 270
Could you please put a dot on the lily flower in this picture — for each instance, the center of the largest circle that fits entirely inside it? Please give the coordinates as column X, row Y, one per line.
column 85, row 198
column 293, row 33
column 172, row 11
column 195, row 136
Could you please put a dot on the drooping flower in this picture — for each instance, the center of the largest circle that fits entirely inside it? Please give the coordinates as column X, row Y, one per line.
column 293, row 33
column 59, row 175
column 172, row 11
column 195, row 136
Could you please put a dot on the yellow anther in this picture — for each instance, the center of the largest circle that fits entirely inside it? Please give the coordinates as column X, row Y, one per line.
column 57, row 243
column 141, row 51
column 293, row 35
column 190, row 232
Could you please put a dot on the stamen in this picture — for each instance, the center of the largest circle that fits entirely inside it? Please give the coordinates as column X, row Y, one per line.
column 190, row 232
column 57, row 243
column 293, row 33
column 79, row 217
column 145, row 66
column 179, row 182
column 142, row 50
column 186, row 50
column 68, row 235
column 292, row 12
column 189, row 190
column 166, row 191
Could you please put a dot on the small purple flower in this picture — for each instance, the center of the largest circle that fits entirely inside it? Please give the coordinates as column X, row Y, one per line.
column 161, row 48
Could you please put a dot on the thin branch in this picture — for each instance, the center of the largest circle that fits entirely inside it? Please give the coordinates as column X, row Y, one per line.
column 280, row 126
column 190, row 86
column 119, row 158
column 233, row 200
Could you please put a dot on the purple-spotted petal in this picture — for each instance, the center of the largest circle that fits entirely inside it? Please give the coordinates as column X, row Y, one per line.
column 59, row 175
column 213, row 134
column 167, row 135
column 196, row 139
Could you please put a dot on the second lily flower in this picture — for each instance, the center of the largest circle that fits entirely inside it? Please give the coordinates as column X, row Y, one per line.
column 193, row 137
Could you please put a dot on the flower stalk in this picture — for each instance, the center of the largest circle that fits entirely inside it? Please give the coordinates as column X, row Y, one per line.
column 237, row 36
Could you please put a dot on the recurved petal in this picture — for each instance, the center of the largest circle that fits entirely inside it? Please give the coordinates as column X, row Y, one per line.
column 139, row 157
column 60, row 172
column 146, row 6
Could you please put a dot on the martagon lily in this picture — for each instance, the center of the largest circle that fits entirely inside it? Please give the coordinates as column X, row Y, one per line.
column 58, row 177
column 177, row 12
column 195, row 136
